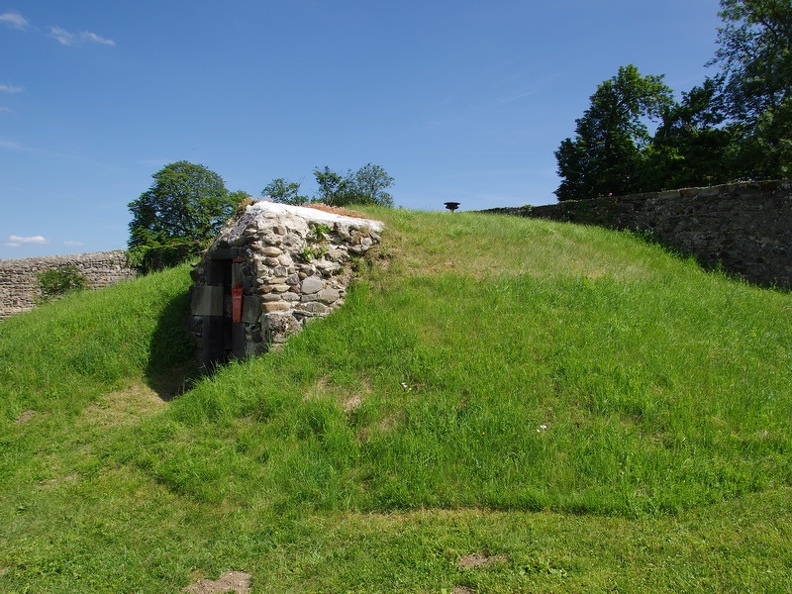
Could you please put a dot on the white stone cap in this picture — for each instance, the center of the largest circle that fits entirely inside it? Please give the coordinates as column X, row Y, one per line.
column 313, row 215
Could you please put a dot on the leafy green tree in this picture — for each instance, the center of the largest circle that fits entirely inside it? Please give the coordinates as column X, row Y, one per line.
column 367, row 185
column 236, row 198
column 755, row 54
column 607, row 154
column 186, row 202
column 330, row 184
column 284, row 192
column 185, row 206
column 691, row 147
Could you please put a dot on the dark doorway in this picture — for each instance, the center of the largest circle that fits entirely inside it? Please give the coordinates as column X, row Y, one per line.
column 223, row 338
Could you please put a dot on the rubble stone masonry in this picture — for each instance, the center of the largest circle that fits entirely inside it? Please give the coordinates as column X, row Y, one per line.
column 19, row 282
column 745, row 227
column 288, row 264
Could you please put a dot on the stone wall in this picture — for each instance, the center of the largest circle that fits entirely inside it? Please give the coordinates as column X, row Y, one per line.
column 745, row 227
column 287, row 265
column 19, row 283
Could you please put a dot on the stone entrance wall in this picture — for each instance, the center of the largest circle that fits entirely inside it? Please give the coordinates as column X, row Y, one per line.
column 19, row 283
column 286, row 264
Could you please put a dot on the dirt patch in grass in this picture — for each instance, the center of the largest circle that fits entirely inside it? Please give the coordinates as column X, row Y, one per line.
column 349, row 402
column 476, row 560
column 352, row 403
column 233, row 581
column 54, row 482
column 25, row 417
column 386, row 425
column 124, row 407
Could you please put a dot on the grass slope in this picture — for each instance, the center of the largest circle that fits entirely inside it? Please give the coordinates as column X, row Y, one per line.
column 502, row 405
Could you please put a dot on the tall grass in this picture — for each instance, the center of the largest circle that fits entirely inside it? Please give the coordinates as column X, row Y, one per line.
column 62, row 355
column 482, row 368
column 584, row 386
column 65, row 357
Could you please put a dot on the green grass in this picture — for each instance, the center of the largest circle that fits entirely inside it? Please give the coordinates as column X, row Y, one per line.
column 582, row 408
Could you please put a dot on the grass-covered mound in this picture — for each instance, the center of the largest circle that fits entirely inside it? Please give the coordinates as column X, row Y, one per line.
column 482, row 369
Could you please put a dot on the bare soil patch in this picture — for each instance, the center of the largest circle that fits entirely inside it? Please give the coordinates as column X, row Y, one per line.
column 476, row 560
column 233, row 581
column 25, row 417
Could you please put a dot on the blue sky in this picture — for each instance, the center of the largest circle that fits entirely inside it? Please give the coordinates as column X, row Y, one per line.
column 457, row 100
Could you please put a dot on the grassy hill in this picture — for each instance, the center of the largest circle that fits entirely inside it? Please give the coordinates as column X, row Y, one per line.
column 502, row 405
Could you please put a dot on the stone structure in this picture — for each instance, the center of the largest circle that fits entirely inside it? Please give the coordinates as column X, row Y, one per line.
column 268, row 272
column 19, row 282
column 744, row 227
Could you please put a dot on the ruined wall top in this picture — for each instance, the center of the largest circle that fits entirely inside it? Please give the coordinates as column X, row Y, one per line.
column 19, row 277
column 746, row 227
column 261, row 215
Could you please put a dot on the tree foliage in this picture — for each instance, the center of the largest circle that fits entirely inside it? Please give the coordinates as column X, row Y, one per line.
column 330, row 184
column 691, row 147
column 605, row 157
column 185, row 202
column 284, row 192
column 755, row 55
column 186, row 205
column 736, row 126
column 57, row 282
column 367, row 185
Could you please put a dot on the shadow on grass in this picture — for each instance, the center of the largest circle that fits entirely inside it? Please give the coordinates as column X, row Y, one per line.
column 708, row 263
column 172, row 368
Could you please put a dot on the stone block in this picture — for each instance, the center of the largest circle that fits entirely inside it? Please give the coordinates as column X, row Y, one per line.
column 276, row 306
column 312, row 285
column 207, row 301
column 329, row 295
column 271, row 251
column 251, row 309
column 315, row 308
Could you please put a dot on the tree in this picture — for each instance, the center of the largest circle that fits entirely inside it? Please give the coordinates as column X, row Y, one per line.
column 186, row 204
column 691, row 147
column 370, row 183
column 330, row 184
column 365, row 186
column 607, row 154
column 755, row 54
column 284, row 192
column 236, row 198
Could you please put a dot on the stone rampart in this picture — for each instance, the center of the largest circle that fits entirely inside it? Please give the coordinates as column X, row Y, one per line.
column 745, row 227
column 19, row 282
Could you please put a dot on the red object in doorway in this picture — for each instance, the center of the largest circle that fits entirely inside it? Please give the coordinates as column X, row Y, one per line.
column 236, row 303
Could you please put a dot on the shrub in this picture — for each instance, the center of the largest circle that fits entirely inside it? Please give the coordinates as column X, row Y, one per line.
column 57, row 282
column 153, row 258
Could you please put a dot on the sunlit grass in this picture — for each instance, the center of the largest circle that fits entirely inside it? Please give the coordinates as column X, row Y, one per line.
column 579, row 407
